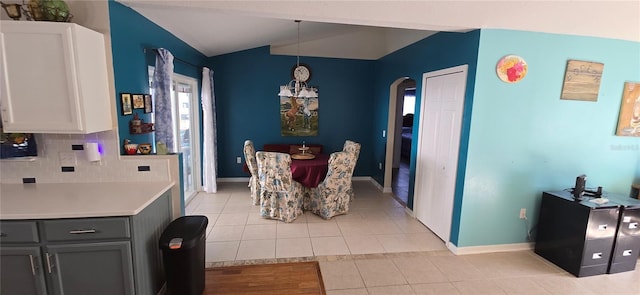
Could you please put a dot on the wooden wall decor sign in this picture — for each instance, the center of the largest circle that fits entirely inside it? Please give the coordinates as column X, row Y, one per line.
column 582, row 80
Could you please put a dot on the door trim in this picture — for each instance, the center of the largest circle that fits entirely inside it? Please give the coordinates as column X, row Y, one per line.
column 391, row 127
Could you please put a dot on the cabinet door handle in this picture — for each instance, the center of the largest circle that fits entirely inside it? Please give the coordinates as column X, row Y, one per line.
column 33, row 266
column 49, row 265
column 82, row 231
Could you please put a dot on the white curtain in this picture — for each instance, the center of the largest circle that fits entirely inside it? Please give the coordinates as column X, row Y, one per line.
column 209, row 145
column 162, row 92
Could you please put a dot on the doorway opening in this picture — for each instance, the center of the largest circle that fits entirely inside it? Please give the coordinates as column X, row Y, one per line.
column 400, row 128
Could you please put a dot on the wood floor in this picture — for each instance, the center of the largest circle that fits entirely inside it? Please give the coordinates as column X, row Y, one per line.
column 282, row 278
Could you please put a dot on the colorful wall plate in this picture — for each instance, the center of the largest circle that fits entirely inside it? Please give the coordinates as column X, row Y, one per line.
column 511, row 68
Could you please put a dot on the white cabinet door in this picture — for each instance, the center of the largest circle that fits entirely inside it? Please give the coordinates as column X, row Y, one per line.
column 54, row 78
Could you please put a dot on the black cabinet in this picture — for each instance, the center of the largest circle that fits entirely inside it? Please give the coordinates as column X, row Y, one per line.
column 586, row 238
column 627, row 243
column 577, row 236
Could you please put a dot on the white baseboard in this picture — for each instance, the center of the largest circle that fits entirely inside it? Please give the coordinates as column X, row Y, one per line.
column 409, row 211
column 234, row 179
column 489, row 248
column 367, row 178
column 387, row 190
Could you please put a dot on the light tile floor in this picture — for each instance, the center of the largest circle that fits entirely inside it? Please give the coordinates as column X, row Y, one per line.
column 378, row 249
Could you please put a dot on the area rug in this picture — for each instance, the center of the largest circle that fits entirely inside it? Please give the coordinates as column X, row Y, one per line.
column 280, row 278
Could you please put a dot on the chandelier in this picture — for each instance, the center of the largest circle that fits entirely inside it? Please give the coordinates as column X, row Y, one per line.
column 298, row 86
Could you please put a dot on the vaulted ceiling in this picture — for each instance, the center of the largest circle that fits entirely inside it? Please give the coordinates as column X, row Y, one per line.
column 371, row 29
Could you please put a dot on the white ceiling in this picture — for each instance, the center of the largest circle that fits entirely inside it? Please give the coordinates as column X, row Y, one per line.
column 372, row 29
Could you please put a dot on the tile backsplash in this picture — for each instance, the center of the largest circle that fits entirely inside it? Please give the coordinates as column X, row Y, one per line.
column 58, row 150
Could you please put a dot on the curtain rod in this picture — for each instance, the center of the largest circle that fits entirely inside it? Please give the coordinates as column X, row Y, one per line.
column 155, row 50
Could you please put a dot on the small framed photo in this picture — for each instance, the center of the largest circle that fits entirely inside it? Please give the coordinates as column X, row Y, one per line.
column 126, row 104
column 148, row 105
column 138, row 101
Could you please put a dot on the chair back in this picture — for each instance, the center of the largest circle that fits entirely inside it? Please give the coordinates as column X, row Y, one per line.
column 352, row 147
column 250, row 157
column 274, row 171
column 341, row 165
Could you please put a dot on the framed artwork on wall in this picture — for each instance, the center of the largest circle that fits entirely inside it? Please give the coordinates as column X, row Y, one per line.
column 298, row 116
column 148, row 105
column 127, row 109
column 629, row 117
column 138, row 101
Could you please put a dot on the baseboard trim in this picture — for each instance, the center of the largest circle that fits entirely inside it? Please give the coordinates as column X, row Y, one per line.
column 489, row 248
column 234, row 179
column 409, row 211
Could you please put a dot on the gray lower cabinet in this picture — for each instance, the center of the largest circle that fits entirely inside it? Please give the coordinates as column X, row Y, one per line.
column 96, row 268
column 21, row 271
column 106, row 255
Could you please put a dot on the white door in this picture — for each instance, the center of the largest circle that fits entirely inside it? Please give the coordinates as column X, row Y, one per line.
column 438, row 141
column 185, row 98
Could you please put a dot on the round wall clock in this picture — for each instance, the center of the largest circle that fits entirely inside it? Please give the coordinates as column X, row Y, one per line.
column 511, row 68
column 301, row 72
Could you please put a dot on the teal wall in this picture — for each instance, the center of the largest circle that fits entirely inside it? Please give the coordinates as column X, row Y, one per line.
column 440, row 51
column 248, row 107
column 517, row 139
column 525, row 140
column 131, row 33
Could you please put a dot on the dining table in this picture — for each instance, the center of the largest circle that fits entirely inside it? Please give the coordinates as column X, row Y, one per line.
column 310, row 172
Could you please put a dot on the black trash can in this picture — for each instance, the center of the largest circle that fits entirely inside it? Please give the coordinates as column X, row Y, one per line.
column 183, row 252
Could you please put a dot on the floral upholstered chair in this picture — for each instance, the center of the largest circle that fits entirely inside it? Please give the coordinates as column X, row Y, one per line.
column 252, row 164
column 353, row 148
column 331, row 197
column 280, row 196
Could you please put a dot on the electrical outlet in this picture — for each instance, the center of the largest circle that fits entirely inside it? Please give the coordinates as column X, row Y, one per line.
column 523, row 213
column 239, row 160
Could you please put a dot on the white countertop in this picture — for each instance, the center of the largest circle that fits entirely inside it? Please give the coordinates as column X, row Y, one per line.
column 72, row 200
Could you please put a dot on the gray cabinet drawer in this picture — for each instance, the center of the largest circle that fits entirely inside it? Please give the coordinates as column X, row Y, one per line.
column 86, row 229
column 18, row 232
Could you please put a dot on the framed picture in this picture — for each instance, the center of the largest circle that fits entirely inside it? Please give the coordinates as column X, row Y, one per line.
column 138, row 101
column 629, row 117
column 126, row 104
column 148, row 106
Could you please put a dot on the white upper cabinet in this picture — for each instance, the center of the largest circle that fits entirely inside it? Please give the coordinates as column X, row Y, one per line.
column 53, row 78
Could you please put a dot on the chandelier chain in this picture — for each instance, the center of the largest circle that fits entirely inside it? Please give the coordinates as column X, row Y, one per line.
column 298, row 48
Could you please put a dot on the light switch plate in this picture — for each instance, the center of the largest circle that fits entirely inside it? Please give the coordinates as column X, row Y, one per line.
column 67, row 158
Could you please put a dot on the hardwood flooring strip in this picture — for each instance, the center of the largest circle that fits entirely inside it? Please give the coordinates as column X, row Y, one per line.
column 282, row 278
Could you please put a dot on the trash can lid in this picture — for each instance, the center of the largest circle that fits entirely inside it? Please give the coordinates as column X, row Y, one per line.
column 190, row 229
